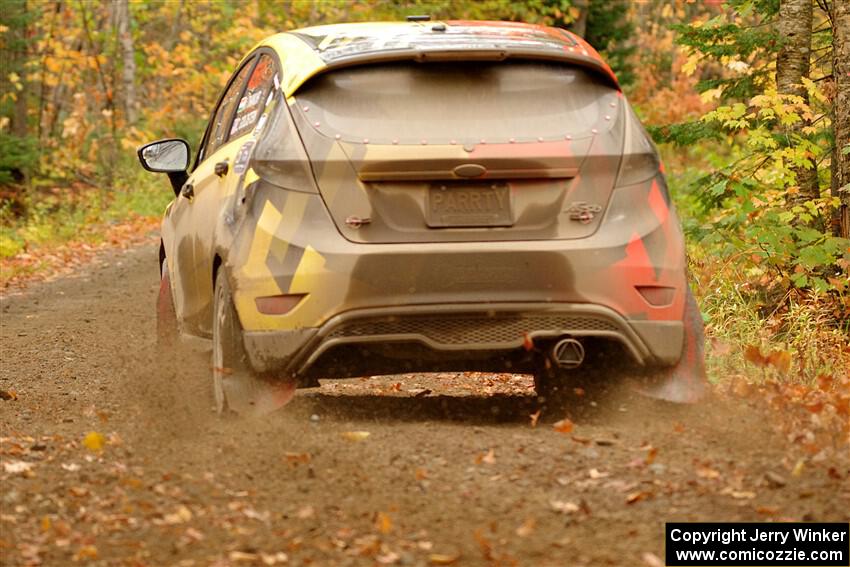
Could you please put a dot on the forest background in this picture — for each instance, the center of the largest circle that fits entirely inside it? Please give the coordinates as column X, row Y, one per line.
column 749, row 101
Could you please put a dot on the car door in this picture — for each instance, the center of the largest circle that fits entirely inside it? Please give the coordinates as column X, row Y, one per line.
column 186, row 222
column 218, row 172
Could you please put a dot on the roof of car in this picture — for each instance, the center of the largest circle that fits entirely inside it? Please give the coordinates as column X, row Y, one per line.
column 309, row 51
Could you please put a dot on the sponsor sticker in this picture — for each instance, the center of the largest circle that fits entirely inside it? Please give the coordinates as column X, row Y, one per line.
column 240, row 164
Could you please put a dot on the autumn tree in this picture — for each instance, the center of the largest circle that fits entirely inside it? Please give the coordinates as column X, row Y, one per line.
column 121, row 10
column 760, row 202
column 841, row 115
column 794, row 24
column 17, row 148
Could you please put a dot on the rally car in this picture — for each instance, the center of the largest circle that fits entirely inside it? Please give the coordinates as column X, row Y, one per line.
column 381, row 198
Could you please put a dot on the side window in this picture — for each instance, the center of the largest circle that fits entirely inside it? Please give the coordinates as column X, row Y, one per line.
column 256, row 95
column 221, row 121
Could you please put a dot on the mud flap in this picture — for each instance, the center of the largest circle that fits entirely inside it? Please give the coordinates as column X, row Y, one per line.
column 166, row 316
column 249, row 396
column 686, row 382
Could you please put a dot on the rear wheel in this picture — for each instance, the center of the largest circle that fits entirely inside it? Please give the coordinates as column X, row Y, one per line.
column 235, row 388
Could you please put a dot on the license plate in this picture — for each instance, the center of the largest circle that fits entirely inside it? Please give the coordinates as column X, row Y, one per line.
column 469, row 205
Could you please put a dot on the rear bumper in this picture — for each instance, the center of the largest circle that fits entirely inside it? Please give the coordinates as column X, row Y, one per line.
column 462, row 328
column 454, row 298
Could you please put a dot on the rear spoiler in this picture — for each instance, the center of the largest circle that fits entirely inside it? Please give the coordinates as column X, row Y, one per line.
column 598, row 67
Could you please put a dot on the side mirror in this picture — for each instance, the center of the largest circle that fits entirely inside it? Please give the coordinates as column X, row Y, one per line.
column 169, row 156
column 165, row 156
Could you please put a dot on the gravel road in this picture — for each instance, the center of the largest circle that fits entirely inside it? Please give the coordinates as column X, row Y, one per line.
column 112, row 455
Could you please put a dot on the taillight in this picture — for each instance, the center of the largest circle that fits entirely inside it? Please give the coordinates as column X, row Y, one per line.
column 278, row 304
column 657, row 296
column 640, row 158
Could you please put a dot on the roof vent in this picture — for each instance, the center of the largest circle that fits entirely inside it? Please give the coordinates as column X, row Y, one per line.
column 420, row 18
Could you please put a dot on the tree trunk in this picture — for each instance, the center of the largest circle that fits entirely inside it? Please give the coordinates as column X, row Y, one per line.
column 792, row 64
column 128, row 58
column 12, row 64
column 841, row 73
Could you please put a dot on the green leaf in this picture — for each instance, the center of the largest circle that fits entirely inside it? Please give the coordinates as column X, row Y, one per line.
column 800, row 280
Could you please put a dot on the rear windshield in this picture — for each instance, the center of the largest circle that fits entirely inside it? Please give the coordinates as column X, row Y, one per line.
column 436, row 103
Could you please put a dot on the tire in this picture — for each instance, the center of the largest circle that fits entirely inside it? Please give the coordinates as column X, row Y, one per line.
column 236, row 389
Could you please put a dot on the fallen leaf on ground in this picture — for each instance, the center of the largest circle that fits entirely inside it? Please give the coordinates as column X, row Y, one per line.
column 651, row 560
column 753, row 354
column 527, row 527
column 86, row 552
column 563, row 426
column 355, row 435
column 179, row 516
column 8, row 395
column 774, row 480
column 707, row 472
column 388, row 558
column 384, row 523
column 781, row 360
column 484, row 544
column 488, row 458
column 191, row 534
column 564, row 507
column 93, row 441
column 274, row 558
column 294, row 459
column 637, row 496
column 442, row 559
column 743, row 494
column 595, row 474
column 17, row 467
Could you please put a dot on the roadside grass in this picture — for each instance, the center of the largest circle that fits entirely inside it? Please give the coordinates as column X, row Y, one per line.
column 64, row 223
column 795, row 338
column 755, row 331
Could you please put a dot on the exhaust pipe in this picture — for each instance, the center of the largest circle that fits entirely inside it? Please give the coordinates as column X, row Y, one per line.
column 568, row 353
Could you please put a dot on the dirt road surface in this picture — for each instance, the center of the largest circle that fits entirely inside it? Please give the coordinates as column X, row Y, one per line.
column 112, row 456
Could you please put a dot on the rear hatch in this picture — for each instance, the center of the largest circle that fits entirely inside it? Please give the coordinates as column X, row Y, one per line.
column 462, row 151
